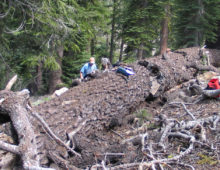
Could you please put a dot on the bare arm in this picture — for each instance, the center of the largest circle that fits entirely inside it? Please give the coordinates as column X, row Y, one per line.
column 81, row 75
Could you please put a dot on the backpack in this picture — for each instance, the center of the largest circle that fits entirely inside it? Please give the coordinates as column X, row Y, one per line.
column 213, row 84
column 125, row 71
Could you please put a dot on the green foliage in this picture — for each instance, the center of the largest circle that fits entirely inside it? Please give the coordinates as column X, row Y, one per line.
column 41, row 100
column 204, row 159
column 143, row 115
column 32, row 31
column 142, row 23
column 195, row 22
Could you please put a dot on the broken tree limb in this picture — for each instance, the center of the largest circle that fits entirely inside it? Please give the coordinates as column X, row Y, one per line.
column 50, row 132
column 11, row 83
column 27, row 147
column 2, row 100
column 207, row 93
column 200, row 67
column 9, row 147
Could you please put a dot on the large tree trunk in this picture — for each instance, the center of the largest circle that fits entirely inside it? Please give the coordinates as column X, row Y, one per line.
column 92, row 46
column 140, row 51
column 14, row 104
column 111, row 56
column 85, row 118
column 121, row 49
column 216, row 44
column 39, row 78
column 102, row 105
column 164, row 31
column 55, row 76
column 198, row 33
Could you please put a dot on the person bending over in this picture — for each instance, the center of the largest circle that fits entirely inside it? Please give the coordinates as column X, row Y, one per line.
column 88, row 68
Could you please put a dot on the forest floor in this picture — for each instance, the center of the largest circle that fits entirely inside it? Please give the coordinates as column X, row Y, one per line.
column 139, row 142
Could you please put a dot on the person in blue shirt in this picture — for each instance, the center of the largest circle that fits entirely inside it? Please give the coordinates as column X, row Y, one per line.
column 88, row 68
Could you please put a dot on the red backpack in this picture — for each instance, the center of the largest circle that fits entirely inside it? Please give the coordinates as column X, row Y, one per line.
column 213, row 84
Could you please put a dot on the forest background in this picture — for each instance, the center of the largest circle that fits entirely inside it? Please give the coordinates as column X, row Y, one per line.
column 46, row 42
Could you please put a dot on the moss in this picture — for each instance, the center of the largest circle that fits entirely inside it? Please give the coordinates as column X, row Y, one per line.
column 204, row 159
column 41, row 100
column 143, row 114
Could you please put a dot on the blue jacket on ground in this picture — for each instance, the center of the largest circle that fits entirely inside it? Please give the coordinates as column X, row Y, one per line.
column 88, row 68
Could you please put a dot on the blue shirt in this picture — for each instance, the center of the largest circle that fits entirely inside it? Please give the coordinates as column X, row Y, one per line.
column 88, row 68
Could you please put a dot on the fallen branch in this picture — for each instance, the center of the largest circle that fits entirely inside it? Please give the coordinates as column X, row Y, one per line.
column 9, row 148
column 27, row 147
column 200, row 67
column 11, row 83
column 50, row 132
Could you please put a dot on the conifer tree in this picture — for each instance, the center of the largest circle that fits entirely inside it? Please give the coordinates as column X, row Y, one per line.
column 195, row 22
column 142, row 25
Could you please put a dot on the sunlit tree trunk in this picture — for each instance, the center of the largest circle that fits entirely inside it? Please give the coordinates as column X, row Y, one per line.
column 164, row 31
column 140, row 52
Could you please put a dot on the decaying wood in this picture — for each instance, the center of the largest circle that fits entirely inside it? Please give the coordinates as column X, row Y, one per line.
column 90, row 126
column 11, row 83
column 14, row 105
column 201, row 67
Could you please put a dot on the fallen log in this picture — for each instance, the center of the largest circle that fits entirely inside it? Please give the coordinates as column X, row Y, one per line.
column 85, row 117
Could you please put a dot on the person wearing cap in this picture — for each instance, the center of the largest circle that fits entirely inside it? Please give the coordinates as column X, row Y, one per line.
column 88, row 68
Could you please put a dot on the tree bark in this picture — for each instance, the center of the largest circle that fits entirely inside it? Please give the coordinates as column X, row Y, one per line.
column 121, row 49
column 92, row 46
column 55, row 76
column 14, row 105
column 101, row 105
column 140, row 52
column 39, row 79
column 164, row 31
column 198, row 32
column 111, row 56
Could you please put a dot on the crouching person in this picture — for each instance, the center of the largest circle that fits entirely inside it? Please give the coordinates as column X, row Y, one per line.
column 88, row 69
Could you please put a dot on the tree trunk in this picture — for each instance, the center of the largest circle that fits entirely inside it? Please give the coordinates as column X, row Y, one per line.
column 39, row 78
column 89, row 111
column 112, row 33
column 55, row 76
column 121, row 49
column 27, row 147
column 140, row 52
column 216, row 44
column 164, row 31
column 92, row 46
column 198, row 32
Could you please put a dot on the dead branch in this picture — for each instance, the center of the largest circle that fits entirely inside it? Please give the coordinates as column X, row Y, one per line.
column 200, row 67
column 11, row 83
column 9, row 148
column 50, row 132
column 61, row 162
column 184, row 106
column 2, row 100
column 27, row 147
